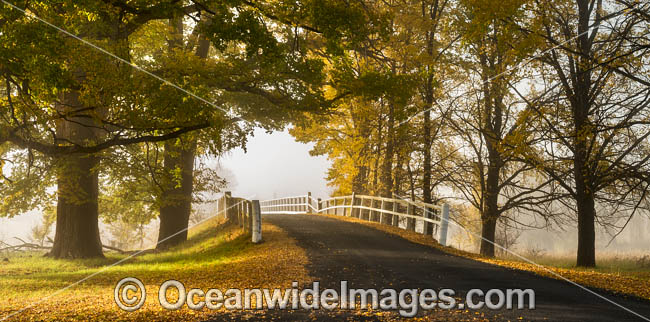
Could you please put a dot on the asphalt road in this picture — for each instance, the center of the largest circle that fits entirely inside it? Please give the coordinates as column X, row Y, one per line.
column 369, row 258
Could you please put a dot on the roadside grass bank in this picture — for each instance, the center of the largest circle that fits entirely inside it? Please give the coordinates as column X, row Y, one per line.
column 215, row 256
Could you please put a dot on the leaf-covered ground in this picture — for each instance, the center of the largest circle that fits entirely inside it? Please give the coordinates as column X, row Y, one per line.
column 214, row 257
column 635, row 283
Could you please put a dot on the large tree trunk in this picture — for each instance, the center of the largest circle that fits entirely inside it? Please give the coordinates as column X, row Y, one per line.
column 176, row 196
column 399, row 173
column 586, row 230
column 584, row 196
column 490, row 211
column 488, row 232
column 372, row 215
column 491, row 129
column 360, row 179
column 77, row 215
column 426, row 175
column 583, row 130
column 387, row 163
column 431, row 14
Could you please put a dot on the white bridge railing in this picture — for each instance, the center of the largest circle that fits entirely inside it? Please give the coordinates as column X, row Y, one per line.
column 402, row 213
column 287, row 205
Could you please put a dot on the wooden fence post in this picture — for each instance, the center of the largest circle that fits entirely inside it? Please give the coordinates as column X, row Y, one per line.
column 444, row 225
column 318, row 205
column 249, row 216
column 227, row 197
column 240, row 212
column 257, row 222
column 220, row 206
column 352, row 203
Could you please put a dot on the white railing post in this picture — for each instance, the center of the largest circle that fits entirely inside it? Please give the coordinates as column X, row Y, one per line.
column 257, row 222
column 444, row 225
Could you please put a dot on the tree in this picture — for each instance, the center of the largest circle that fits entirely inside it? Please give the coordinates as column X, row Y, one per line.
column 489, row 124
column 67, row 102
column 596, row 129
column 179, row 155
column 62, row 101
column 431, row 22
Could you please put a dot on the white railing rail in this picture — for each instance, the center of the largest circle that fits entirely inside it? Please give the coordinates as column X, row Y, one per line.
column 398, row 212
column 287, row 205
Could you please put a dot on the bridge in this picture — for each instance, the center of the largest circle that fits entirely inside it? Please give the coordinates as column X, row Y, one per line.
column 341, row 247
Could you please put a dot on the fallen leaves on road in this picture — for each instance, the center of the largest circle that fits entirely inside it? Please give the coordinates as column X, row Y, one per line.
column 611, row 282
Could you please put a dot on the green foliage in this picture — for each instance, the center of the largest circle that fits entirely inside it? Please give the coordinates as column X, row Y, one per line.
column 41, row 232
column 24, row 183
column 260, row 67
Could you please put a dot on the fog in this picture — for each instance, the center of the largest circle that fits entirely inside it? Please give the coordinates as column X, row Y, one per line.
column 633, row 240
column 275, row 165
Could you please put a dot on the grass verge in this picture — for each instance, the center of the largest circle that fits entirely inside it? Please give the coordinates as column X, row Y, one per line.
column 215, row 256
